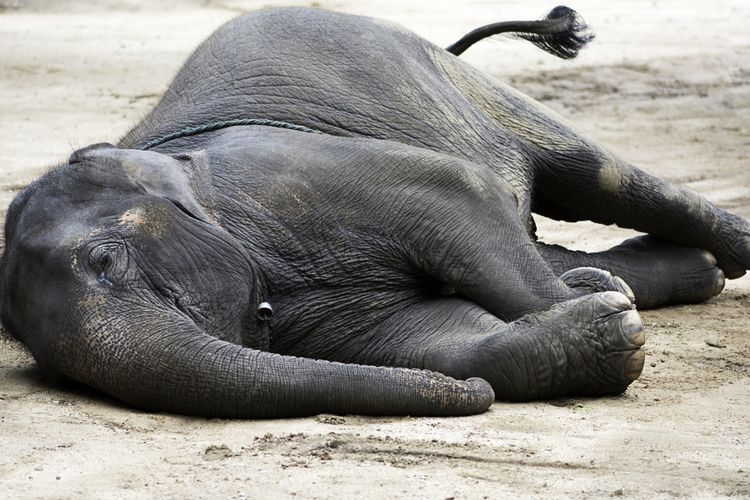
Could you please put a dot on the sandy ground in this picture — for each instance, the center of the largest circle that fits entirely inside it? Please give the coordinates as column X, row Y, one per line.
column 666, row 85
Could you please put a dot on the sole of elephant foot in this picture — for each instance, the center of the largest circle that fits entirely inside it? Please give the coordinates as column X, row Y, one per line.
column 663, row 273
column 588, row 346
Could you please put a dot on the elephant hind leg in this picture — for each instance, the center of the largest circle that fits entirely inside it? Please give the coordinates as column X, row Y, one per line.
column 591, row 184
column 574, row 179
column 585, row 346
column 659, row 272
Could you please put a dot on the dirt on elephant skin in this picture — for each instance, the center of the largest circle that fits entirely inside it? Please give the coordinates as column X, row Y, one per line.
column 666, row 85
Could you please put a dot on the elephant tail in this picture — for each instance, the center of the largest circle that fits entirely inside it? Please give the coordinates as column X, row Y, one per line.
column 562, row 32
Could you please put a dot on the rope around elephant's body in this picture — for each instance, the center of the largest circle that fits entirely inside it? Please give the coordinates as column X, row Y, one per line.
column 210, row 127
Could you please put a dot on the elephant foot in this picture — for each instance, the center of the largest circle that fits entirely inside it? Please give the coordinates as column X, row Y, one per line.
column 662, row 273
column 589, row 346
column 733, row 245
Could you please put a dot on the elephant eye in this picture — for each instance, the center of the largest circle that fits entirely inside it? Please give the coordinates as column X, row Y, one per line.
column 108, row 262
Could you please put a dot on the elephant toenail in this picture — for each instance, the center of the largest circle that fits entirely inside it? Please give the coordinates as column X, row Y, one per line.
column 720, row 282
column 634, row 365
column 632, row 327
column 617, row 300
column 624, row 288
column 709, row 257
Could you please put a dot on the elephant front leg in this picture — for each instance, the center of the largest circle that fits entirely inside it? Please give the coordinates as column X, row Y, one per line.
column 476, row 245
column 588, row 346
column 506, row 274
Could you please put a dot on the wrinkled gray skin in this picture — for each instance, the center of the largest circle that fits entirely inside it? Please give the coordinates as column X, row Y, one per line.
column 401, row 239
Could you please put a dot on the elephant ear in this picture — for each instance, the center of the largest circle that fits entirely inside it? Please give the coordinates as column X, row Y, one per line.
column 197, row 186
column 185, row 179
column 200, row 178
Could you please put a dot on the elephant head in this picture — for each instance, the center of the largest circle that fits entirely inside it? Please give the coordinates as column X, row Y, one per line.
column 118, row 273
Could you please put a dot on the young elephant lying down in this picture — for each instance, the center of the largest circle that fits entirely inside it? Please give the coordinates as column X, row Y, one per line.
column 326, row 213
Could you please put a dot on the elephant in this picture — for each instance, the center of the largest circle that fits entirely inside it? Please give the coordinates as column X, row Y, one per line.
column 328, row 213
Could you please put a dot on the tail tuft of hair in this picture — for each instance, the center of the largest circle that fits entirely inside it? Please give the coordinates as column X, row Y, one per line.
column 565, row 34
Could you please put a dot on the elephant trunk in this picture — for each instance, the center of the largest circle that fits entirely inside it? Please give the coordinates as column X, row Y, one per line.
column 171, row 365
